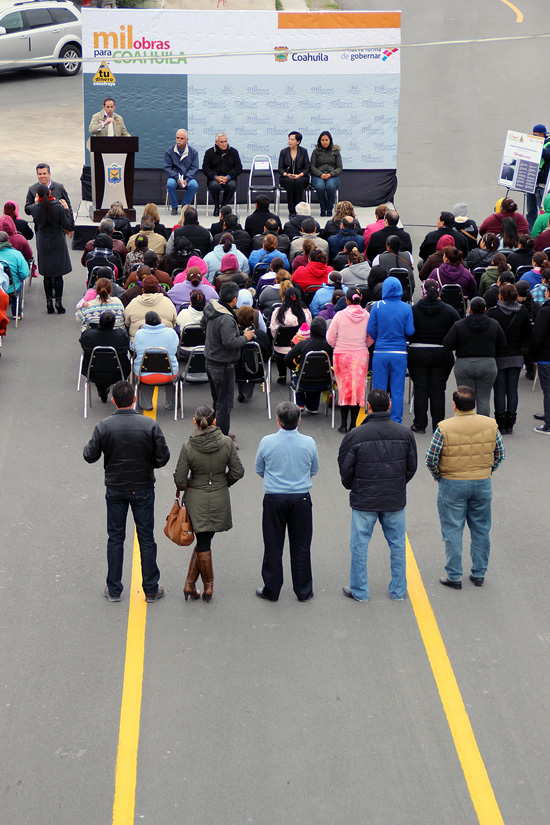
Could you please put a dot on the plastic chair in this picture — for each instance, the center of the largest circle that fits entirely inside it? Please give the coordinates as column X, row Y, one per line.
column 156, row 370
column 191, row 336
column 94, row 263
column 262, row 180
column 252, row 370
column 453, row 295
column 310, row 291
column 102, row 359
column 403, row 275
column 316, row 371
column 477, row 272
column 522, row 270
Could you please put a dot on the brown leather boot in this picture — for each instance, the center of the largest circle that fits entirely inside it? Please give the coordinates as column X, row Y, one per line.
column 207, row 574
column 189, row 588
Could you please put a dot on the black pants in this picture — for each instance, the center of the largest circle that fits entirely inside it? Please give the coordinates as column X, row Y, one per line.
column 295, row 188
column 282, row 512
column 429, row 368
column 228, row 191
column 222, row 386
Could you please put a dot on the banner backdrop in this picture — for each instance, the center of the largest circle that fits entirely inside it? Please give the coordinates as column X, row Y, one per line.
column 253, row 74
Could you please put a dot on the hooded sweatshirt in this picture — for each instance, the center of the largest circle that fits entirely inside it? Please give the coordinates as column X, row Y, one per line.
column 541, row 222
column 476, row 336
column 17, row 241
column 134, row 314
column 348, row 330
column 391, row 320
column 311, row 275
column 449, row 274
column 214, row 260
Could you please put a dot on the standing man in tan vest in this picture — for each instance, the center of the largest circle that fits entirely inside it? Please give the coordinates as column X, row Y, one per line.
column 464, row 453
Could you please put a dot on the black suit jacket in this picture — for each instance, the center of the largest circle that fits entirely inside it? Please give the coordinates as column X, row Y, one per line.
column 378, row 240
column 56, row 189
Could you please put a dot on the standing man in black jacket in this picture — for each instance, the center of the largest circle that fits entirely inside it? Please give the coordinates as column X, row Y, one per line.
column 539, row 350
column 223, row 347
column 376, row 462
column 221, row 166
column 132, row 446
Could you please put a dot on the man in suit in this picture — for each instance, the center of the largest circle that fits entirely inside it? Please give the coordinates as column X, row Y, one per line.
column 57, row 190
column 106, row 123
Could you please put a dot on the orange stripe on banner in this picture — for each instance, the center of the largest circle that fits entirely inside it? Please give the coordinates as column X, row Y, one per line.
column 340, row 20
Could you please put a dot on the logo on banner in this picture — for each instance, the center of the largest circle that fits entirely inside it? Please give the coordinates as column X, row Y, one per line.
column 388, row 53
column 122, row 46
column 104, row 76
column 114, row 173
column 281, row 54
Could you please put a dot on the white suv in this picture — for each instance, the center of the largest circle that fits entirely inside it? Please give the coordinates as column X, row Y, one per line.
column 35, row 32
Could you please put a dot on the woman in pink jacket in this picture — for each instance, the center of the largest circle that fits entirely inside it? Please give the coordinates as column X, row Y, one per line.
column 348, row 336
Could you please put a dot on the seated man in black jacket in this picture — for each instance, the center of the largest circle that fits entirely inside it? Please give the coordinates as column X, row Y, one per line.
column 378, row 240
column 255, row 222
column 221, row 166
column 242, row 239
column 133, row 446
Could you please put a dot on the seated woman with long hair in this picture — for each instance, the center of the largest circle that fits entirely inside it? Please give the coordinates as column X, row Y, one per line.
column 292, row 313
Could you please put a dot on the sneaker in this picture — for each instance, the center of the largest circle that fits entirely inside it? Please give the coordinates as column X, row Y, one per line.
column 154, row 597
column 544, row 429
column 109, row 595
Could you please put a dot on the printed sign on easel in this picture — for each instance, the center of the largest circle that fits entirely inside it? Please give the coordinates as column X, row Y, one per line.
column 520, row 161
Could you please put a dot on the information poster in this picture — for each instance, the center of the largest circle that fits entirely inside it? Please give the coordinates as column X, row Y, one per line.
column 520, row 161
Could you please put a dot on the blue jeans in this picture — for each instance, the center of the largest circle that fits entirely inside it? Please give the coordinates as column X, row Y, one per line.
column 459, row 502
column 506, row 390
column 392, row 367
column 362, row 525
column 190, row 192
column 142, row 502
column 326, row 191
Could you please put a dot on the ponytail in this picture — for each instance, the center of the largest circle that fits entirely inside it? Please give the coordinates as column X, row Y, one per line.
column 204, row 417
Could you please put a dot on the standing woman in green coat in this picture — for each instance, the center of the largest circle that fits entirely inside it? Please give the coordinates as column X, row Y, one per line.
column 207, row 466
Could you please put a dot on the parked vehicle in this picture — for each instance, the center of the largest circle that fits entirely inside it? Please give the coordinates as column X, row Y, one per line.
column 35, row 32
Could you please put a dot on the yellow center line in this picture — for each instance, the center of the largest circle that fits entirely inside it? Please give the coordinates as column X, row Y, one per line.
column 475, row 773
column 130, row 710
column 519, row 15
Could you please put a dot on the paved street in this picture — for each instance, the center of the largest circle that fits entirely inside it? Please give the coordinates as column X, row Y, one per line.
column 322, row 713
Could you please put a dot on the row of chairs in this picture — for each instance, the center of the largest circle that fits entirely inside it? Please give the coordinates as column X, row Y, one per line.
column 261, row 181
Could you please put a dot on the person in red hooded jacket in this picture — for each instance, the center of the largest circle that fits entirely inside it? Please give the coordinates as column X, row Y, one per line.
column 314, row 273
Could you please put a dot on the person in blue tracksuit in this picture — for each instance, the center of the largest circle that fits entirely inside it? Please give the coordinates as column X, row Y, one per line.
column 390, row 324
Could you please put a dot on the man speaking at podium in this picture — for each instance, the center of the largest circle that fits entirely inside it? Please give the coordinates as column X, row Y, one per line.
column 106, row 123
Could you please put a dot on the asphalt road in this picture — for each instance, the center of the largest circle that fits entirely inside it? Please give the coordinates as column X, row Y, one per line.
column 325, row 712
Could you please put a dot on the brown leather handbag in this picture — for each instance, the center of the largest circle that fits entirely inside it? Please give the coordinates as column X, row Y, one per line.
column 178, row 525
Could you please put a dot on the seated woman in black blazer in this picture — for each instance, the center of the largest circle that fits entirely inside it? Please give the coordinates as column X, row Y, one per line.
column 294, row 170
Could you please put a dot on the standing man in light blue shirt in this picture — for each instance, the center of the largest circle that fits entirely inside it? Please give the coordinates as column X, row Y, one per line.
column 286, row 461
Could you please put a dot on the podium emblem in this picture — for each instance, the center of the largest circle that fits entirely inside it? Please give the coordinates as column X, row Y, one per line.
column 114, row 173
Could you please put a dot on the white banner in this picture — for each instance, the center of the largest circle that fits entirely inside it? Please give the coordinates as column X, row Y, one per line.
column 520, row 161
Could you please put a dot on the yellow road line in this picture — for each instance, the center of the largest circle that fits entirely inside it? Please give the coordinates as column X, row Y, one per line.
column 475, row 773
column 519, row 15
column 130, row 710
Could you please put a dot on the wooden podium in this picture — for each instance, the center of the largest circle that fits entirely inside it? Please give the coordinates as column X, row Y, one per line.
column 112, row 162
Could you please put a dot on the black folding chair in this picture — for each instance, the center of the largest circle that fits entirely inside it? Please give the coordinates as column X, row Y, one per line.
column 316, row 372
column 251, row 369
column 102, row 360
column 453, row 295
column 522, row 270
column 283, row 338
column 403, row 275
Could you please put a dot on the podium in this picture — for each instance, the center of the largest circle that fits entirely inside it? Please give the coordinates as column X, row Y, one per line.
column 112, row 163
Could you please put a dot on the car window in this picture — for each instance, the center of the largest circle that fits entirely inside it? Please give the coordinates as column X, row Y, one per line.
column 12, row 22
column 37, row 18
column 63, row 16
